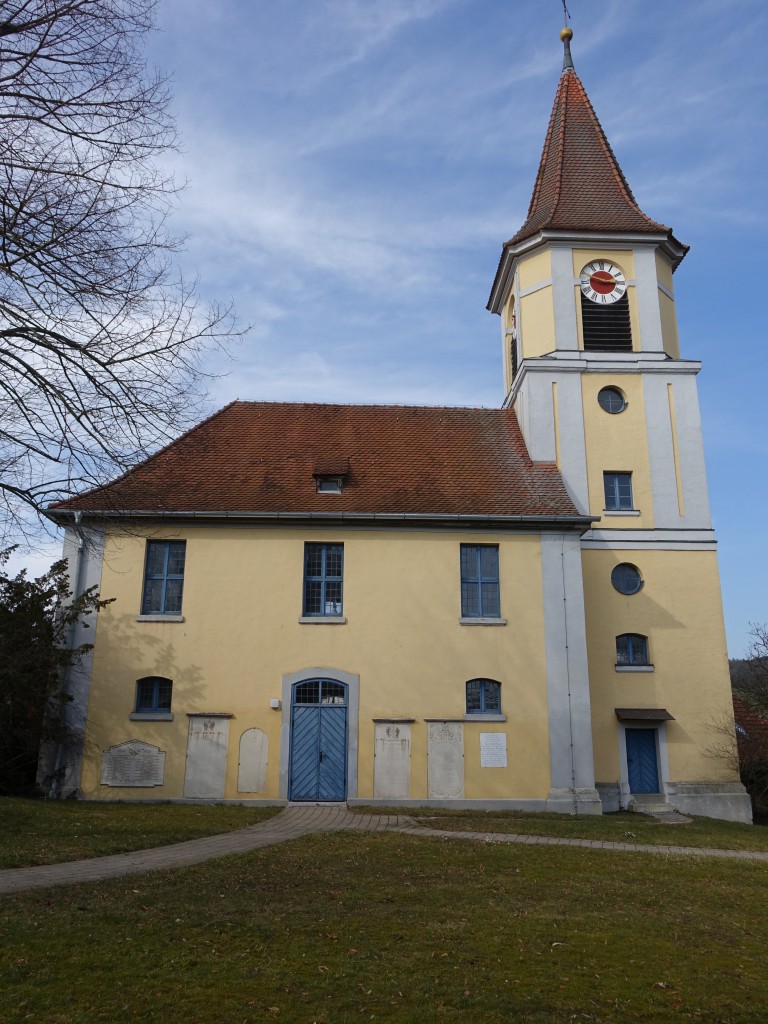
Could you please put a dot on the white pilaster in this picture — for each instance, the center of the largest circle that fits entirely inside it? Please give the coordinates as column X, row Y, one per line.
column 572, row 773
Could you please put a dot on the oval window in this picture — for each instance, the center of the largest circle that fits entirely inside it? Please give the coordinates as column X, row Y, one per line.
column 626, row 578
column 611, row 400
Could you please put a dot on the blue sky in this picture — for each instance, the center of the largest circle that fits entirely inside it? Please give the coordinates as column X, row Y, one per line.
column 353, row 167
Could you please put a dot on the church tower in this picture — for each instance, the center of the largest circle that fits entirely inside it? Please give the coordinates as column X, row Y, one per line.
column 593, row 371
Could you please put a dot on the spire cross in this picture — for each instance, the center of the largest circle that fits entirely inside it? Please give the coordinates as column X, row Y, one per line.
column 566, row 14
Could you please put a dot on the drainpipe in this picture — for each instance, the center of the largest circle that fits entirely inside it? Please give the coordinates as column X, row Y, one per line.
column 76, row 578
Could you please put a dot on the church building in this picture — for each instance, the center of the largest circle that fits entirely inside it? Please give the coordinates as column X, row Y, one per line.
column 498, row 608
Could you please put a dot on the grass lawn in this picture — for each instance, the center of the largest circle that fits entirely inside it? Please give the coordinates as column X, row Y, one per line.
column 46, row 832
column 350, row 927
column 618, row 828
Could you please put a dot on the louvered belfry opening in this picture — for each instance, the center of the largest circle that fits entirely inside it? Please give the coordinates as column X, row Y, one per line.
column 606, row 328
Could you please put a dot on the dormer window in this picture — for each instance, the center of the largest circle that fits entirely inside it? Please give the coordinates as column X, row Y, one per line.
column 330, row 475
column 329, row 484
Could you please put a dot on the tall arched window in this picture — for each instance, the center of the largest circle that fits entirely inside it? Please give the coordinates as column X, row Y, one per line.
column 483, row 697
column 631, row 649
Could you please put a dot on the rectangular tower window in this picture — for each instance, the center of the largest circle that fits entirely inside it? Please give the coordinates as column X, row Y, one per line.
column 480, row 581
column 618, row 492
column 323, row 579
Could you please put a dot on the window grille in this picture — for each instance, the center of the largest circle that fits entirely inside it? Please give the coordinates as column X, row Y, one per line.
column 164, row 577
column 323, row 579
column 483, row 696
column 618, row 491
column 153, row 694
column 480, row 581
column 631, row 649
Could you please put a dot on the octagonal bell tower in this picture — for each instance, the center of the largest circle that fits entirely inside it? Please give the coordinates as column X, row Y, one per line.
column 593, row 371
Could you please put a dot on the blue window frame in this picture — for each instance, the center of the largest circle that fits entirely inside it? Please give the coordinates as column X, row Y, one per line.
column 323, row 579
column 153, row 694
column 631, row 649
column 483, row 697
column 626, row 578
column 164, row 577
column 618, row 491
column 480, row 581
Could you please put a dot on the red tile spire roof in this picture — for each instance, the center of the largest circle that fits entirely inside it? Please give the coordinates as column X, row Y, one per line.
column 579, row 185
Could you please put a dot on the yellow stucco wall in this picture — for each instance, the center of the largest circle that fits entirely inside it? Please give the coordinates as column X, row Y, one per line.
column 536, row 320
column 242, row 603
column 617, row 443
column 680, row 611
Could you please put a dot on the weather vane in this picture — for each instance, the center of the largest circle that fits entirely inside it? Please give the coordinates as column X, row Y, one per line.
column 566, row 14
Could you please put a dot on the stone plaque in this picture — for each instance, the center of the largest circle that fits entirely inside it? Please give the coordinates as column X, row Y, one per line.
column 445, row 760
column 493, row 750
column 133, row 764
column 392, row 760
column 206, row 769
column 252, row 770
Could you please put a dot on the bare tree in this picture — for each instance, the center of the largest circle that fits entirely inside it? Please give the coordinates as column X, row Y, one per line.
column 100, row 336
column 749, row 675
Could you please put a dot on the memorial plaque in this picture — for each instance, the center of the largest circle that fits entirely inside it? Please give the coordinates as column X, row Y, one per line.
column 133, row 764
column 206, row 769
column 493, row 750
column 392, row 760
column 445, row 760
column 252, row 770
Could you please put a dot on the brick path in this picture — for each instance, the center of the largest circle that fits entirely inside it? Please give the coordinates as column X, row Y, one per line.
column 300, row 820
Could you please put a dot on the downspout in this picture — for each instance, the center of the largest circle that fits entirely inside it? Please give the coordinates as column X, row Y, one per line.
column 76, row 577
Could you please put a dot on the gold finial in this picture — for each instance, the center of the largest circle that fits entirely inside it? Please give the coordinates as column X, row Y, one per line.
column 566, row 34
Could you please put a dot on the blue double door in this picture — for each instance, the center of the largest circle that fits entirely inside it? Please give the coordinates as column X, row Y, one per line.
column 318, row 759
column 642, row 763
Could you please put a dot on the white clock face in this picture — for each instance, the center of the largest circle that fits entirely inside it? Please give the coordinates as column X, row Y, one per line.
column 602, row 282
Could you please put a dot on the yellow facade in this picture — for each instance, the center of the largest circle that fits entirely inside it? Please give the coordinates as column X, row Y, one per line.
column 679, row 610
column 621, row 447
column 241, row 633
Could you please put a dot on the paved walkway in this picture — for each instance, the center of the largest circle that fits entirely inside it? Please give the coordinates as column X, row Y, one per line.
column 300, row 820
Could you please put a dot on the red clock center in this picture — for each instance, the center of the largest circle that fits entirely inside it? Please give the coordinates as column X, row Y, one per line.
column 602, row 282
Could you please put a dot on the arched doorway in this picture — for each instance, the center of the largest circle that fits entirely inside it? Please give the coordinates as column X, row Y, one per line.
column 318, row 757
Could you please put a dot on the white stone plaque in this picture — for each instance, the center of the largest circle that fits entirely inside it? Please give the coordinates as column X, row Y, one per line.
column 252, row 770
column 392, row 760
column 206, row 769
column 493, row 750
column 133, row 764
column 445, row 760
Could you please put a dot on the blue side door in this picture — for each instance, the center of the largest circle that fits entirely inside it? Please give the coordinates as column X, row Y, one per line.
column 642, row 766
column 318, row 759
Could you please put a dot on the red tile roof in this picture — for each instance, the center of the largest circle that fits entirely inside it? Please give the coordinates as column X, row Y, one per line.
column 580, row 186
column 260, row 457
column 751, row 727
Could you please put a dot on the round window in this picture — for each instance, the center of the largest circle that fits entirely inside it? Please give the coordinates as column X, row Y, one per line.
column 612, row 400
column 626, row 578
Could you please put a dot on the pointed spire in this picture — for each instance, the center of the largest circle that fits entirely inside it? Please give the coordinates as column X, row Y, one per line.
column 579, row 185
